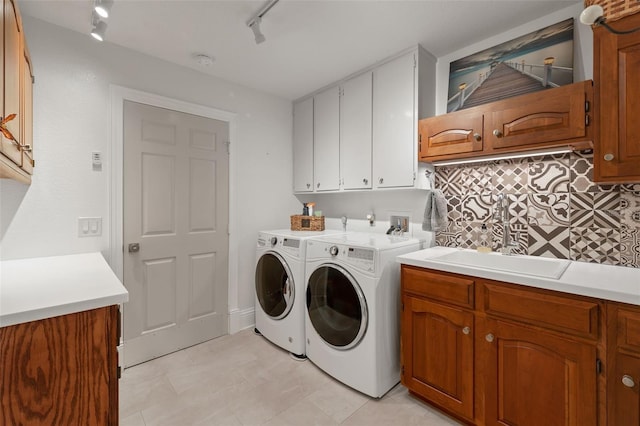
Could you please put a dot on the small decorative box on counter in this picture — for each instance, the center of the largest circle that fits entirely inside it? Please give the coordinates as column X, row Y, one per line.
column 307, row 223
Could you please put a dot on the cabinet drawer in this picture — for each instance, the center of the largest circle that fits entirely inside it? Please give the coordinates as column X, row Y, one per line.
column 567, row 314
column 442, row 286
column 628, row 329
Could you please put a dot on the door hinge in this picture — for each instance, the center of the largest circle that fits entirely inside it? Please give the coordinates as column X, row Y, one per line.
column 598, row 366
column 402, row 370
column 415, row 61
column 587, row 106
column 228, row 143
column 119, row 372
column 587, row 120
column 402, row 306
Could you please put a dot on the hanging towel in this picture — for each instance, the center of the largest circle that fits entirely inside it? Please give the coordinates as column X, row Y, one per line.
column 435, row 212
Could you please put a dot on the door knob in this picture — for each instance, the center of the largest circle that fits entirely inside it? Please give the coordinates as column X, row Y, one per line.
column 134, row 247
column 628, row 381
column 466, row 330
column 489, row 337
column 608, row 157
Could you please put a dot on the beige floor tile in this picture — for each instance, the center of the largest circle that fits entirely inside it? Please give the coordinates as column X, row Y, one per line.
column 245, row 380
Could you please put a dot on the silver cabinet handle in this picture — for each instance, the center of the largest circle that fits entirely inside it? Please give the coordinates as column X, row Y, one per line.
column 365, row 181
column 608, row 157
column 466, row 330
column 489, row 337
column 308, row 185
column 381, row 180
column 628, row 381
column 497, row 133
column 134, row 247
column 318, row 185
column 477, row 136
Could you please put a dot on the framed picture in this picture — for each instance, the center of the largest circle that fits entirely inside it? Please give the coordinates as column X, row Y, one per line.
column 532, row 62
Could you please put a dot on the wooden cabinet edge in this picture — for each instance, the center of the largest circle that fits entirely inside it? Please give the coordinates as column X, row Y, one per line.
column 9, row 170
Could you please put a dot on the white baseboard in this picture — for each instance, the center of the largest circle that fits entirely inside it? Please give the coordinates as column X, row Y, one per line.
column 241, row 319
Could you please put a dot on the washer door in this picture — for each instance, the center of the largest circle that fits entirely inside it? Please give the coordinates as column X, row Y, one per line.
column 275, row 287
column 336, row 307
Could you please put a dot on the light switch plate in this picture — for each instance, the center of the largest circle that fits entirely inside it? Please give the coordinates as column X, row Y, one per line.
column 89, row 226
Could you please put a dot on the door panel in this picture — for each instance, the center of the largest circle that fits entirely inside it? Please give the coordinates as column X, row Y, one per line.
column 176, row 208
column 518, row 359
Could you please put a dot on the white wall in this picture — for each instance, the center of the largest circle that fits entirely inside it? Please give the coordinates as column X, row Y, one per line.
column 582, row 49
column 71, row 119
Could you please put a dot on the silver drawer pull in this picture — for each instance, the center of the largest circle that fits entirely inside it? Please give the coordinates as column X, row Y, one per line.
column 466, row 330
column 489, row 337
column 628, row 381
column 608, row 157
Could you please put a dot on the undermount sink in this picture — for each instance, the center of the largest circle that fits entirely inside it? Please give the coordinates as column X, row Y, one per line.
column 515, row 264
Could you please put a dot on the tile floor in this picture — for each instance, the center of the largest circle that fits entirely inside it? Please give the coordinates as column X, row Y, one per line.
column 245, row 380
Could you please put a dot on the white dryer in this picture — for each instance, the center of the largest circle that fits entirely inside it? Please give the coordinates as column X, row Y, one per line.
column 279, row 287
column 352, row 316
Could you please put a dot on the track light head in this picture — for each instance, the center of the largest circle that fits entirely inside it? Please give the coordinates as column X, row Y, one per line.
column 255, row 27
column 103, row 7
column 594, row 15
column 98, row 30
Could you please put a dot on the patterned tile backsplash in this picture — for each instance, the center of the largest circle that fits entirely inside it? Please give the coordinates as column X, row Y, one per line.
column 555, row 207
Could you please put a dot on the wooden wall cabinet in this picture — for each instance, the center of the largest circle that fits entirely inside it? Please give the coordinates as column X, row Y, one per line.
column 16, row 158
column 550, row 118
column 493, row 353
column 61, row 370
column 616, row 61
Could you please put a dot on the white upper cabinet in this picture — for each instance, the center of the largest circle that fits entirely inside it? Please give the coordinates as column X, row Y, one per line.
column 326, row 136
column 355, row 132
column 394, row 123
column 365, row 128
column 303, row 146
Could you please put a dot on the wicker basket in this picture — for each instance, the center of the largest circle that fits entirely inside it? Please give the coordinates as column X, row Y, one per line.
column 616, row 9
column 307, row 223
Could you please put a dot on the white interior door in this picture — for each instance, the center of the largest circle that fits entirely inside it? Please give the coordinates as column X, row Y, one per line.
column 176, row 203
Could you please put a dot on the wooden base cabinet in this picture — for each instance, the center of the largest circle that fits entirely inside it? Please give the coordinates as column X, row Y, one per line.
column 493, row 353
column 532, row 378
column 61, row 370
column 623, row 383
column 438, row 354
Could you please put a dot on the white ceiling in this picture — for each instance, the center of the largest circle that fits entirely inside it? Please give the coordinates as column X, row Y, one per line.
column 309, row 43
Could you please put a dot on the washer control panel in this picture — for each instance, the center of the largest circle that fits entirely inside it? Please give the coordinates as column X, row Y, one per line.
column 282, row 244
column 361, row 258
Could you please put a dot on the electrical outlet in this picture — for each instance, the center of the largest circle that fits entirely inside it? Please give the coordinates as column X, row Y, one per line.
column 401, row 221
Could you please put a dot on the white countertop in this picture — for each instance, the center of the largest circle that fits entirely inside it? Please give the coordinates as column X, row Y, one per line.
column 45, row 287
column 615, row 283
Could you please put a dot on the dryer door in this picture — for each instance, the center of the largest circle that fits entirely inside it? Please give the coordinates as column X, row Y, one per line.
column 336, row 307
column 275, row 288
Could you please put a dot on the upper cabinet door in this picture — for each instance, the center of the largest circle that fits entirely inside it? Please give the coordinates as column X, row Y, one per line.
column 453, row 133
column 303, row 146
column 355, row 132
column 616, row 61
column 326, row 135
column 12, row 53
column 547, row 116
column 394, row 123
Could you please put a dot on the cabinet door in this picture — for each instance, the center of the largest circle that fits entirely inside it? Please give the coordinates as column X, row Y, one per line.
column 303, row 146
column 326, row 137
column 547, row 117
column 355, row 132
column 458, row 132
column 12, row 53
column 616, row 62
column 61, row 370
column 394, row 123
column 26, row 106
column 625, row 391
column 437, row 354
column 532, row 378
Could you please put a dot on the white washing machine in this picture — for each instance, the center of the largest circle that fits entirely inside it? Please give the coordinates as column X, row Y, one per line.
column 352, row 316
column 279, row 286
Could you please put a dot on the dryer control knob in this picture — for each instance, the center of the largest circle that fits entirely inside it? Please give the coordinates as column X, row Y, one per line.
column 274, row 241
column 333, row 250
